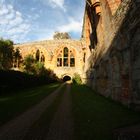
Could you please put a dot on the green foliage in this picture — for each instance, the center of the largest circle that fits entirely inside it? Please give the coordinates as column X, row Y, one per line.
column 17, row 60
column 29, row 62
column 59, row 35
column 6, row 54
column 51, row 74
column 39, row 68
column 39, row 65
column 34, row 67
column 77, row 79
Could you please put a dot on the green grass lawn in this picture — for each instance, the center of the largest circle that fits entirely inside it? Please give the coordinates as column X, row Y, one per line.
column 16, row 103
column 95, row 117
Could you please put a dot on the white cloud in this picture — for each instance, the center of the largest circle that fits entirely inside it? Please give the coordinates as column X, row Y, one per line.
column 22, row 28
column 18, row 14
column 71, row 26
column 59, row 3
column 43, row 34
column 33, row 9
column 3, row 10
column 55, row 3
column 12, row 23
column 38, row 22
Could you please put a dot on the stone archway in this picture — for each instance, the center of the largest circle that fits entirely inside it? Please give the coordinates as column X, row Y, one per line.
column 66, row 78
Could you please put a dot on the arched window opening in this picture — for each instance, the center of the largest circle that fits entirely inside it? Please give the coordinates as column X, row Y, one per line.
column 37, row 55
column 66, row 54
column 59, row 61
column 72, row 60
column 66, row 58
column 43, row 58
column 84, row 58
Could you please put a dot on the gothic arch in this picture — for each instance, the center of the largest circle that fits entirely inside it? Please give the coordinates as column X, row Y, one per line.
column 65, row 56
column 43, row 53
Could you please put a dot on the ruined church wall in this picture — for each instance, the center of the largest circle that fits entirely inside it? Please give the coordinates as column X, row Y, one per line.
column 50, row 49
column 115, row 68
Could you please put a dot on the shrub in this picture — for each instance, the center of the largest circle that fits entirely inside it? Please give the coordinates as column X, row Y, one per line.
column 29, row 64
column 15, row 80
column 77, row 79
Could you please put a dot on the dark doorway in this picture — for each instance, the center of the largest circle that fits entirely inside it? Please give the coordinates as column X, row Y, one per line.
column 66, row 78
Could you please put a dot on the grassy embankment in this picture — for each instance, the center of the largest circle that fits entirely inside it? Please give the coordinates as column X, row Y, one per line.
column 96, row 117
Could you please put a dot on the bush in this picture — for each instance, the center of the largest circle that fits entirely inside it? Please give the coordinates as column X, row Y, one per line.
column 29, row 64
column 15, row 80
column 77, row 79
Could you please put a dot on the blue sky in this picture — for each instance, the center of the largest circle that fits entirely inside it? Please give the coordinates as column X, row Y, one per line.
column 30, row 20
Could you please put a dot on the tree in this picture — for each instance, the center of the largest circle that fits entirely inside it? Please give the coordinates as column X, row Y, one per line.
column 29, row 64
column 17, row 57
column 6, row 54
column 77, row 79
column 32, row 66
column 40, row 68
column 61, row 35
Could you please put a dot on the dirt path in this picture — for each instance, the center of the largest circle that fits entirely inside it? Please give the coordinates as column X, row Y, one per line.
column 17, row 128
column 62, row 125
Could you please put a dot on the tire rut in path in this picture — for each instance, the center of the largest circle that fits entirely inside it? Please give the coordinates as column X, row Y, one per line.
column 61, row 127
column 17, row 128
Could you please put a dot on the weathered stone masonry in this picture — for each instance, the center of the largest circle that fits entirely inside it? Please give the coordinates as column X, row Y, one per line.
column 113, row 36
column 53, row 52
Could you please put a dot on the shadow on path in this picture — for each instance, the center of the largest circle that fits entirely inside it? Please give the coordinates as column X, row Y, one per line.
column 62, row 125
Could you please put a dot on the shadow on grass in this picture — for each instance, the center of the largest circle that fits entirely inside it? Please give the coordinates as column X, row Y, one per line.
column 96, row 116
column 40, row 128
column 15, row 104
